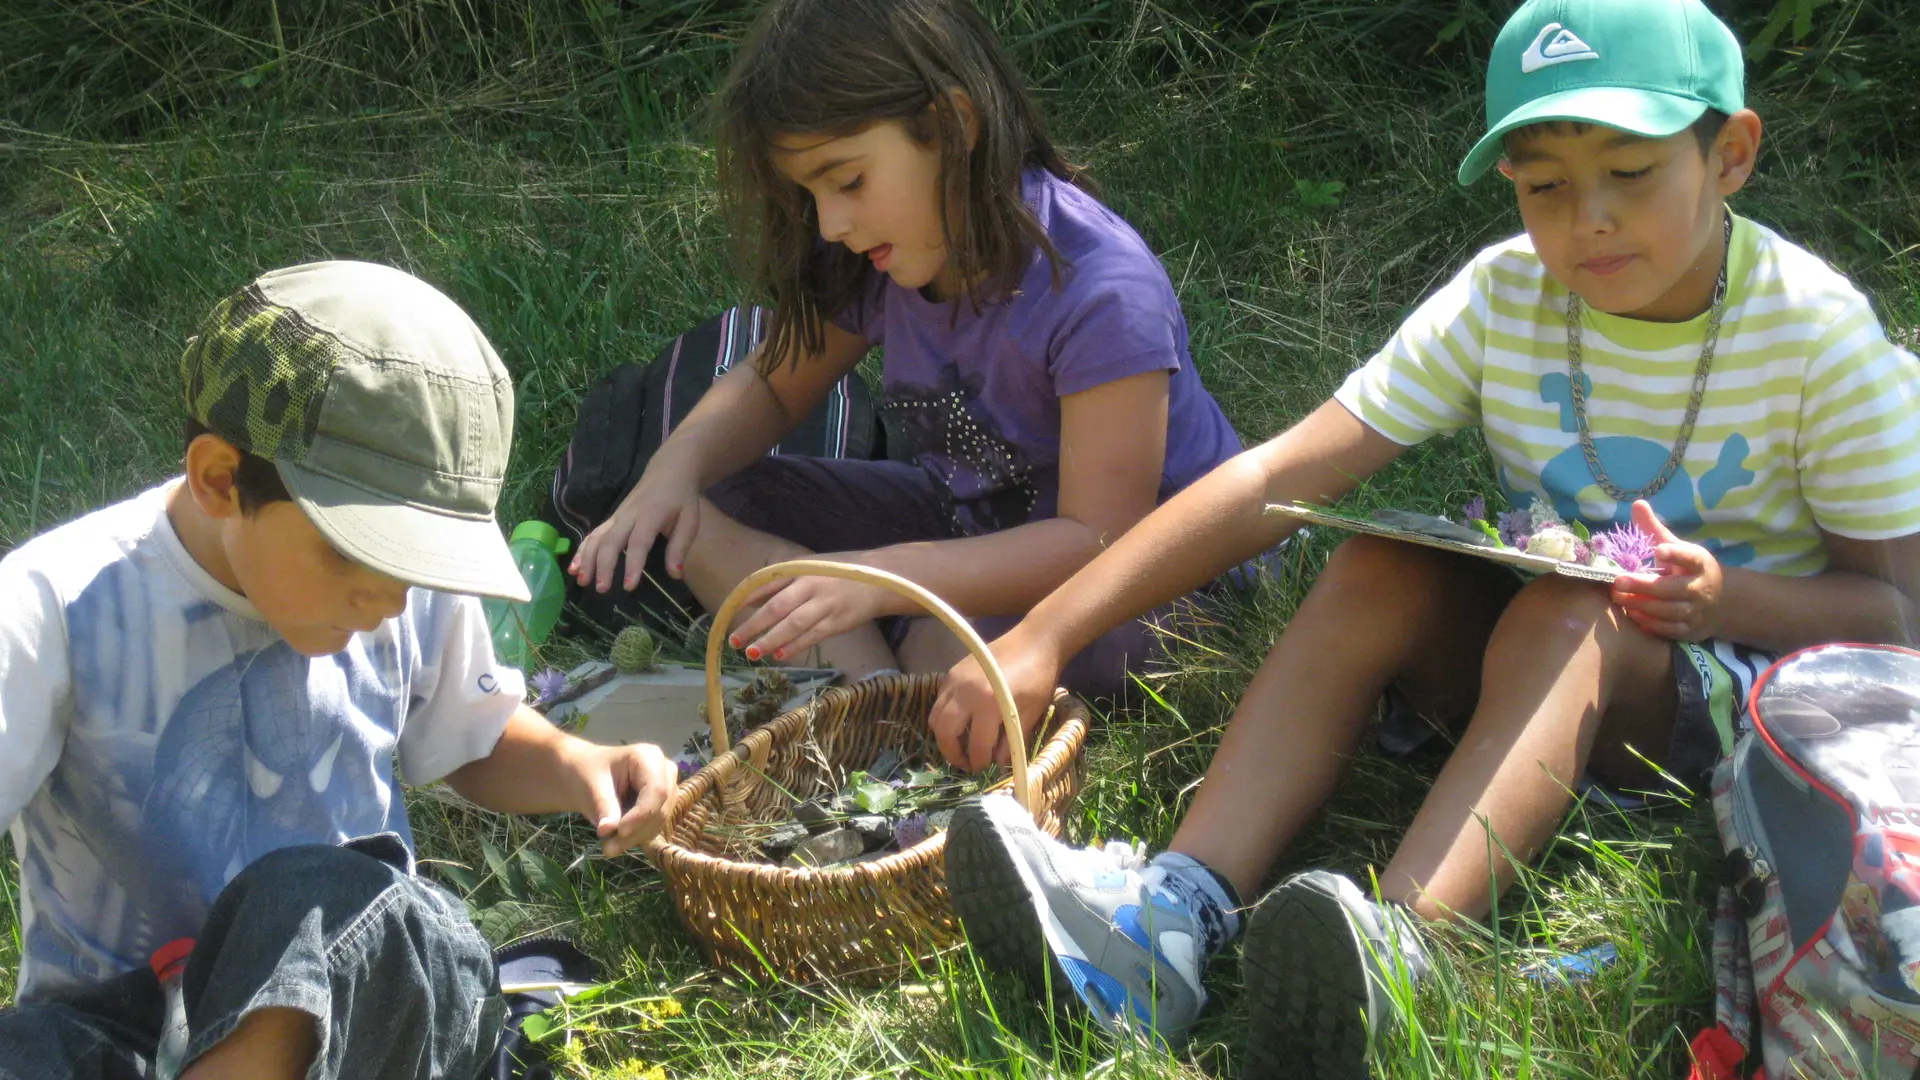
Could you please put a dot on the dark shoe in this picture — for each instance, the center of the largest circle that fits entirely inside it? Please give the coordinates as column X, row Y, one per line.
column 1319, row 963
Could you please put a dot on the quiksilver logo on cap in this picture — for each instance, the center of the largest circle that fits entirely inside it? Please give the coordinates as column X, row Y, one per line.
column 1555, row 45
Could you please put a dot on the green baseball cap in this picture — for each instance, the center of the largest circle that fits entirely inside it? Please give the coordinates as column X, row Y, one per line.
column 384, row 409
column 1651, row 67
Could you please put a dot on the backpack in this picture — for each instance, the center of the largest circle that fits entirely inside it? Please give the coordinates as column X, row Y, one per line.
column 1816, row 942
column 625, row 417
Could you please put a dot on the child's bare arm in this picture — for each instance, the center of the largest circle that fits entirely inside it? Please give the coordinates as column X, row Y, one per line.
column 743, row 415
column 536, row 768
column 1113, row 441
column 1194, row 537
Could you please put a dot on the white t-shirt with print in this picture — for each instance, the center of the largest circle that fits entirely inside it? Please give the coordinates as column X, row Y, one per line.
column 156, row 736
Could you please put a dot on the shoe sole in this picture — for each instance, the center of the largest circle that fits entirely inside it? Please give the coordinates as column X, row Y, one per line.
column 997, row 910
column 1306, row 989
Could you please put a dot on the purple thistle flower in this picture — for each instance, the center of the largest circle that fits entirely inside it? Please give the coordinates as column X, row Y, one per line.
column 547, row 685
column 1627, row 546
column 1582, row 552
column 1476, row 508
column 909, row 831
column 1515, row 526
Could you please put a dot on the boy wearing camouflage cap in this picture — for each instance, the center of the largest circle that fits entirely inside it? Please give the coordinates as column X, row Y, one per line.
column 204, row 689
column 1639, row 354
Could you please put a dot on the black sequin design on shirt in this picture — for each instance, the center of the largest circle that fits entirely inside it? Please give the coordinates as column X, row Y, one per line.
column 938, row 431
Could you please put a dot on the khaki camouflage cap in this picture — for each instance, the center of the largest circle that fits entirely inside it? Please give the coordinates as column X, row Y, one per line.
column 384, row 408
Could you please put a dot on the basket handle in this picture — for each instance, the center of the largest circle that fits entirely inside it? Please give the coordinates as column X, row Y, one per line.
column 866, row 575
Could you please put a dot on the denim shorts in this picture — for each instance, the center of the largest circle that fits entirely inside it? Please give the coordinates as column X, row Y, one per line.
column 845, row 504
column 400, row 983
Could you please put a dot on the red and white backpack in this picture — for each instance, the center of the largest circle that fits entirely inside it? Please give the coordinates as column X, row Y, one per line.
column 1816, row 944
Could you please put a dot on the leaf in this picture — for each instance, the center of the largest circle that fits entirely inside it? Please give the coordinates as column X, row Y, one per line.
column 463, row 879
column 1762, row 43
column 1580, row 530
column 1319, row 193
column 538, row 1026
column 502, row 920
column 925, row 778
column 544, row 874
column 511, row 879
column 875, row 797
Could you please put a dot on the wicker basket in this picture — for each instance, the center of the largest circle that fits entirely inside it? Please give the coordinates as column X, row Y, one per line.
column 868, row 922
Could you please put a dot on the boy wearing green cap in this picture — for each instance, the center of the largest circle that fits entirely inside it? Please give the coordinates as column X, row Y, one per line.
column 1638, row 354
column 204, row 690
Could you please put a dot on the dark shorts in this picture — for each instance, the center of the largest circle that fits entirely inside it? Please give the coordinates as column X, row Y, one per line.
column 845, row 504
column 1713, row 679
column 400, row 984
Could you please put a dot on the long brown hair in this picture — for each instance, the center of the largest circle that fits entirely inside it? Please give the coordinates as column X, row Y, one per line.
column 835, row 67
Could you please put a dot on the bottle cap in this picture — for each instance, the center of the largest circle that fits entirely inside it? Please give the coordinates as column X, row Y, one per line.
column 541, row 533
column 170, row 959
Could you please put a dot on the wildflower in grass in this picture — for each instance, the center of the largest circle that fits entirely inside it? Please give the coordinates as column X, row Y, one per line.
column 547, row 685
column 1627, row 547
column 1476, row 508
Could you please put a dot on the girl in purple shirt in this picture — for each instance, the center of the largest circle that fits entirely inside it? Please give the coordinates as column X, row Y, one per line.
column 892, row 184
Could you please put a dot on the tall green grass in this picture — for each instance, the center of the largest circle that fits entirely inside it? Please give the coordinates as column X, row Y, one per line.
column 542, row 161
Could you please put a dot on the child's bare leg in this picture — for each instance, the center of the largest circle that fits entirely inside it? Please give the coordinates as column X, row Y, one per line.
column 930, row 647
column 1562, row 665
column 268, row 1043
column 727, row 551
column 1381, row 611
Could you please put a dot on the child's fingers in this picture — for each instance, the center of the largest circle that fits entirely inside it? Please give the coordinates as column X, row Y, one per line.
column 649, row 779
column 984, row 739
column 758, row 620
column 1661, row 628
column 950, row 719
column 1652, row 586
column 1650, row 523
column 685, row 527
column 1683, row 559
column 766, row 592
column 1665, row 611
column 781, row 640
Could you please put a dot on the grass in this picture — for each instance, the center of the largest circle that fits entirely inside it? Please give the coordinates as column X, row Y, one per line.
column 1292, row 164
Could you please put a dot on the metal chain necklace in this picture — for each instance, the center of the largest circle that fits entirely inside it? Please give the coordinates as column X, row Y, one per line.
column 1714, row 312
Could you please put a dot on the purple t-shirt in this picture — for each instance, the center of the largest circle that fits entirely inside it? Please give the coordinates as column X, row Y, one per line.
column 976, row 402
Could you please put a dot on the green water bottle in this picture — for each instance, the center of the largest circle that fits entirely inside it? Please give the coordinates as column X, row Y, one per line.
column 516, row 628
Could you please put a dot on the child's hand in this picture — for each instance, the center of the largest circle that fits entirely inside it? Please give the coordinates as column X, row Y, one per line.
column 965, row 719
column 1681, row 599
column 795, row 614
column 662, row 502
column 623, row 791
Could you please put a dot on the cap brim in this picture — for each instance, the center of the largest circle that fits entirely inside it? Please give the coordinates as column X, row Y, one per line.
column 407, row 543
column 1642, row 112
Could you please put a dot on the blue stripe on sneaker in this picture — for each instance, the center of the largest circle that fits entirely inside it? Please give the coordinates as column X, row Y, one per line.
column 1126, row 919
column 1103, row 993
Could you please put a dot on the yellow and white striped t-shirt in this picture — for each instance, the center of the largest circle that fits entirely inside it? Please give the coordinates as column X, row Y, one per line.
column 1811, row 416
